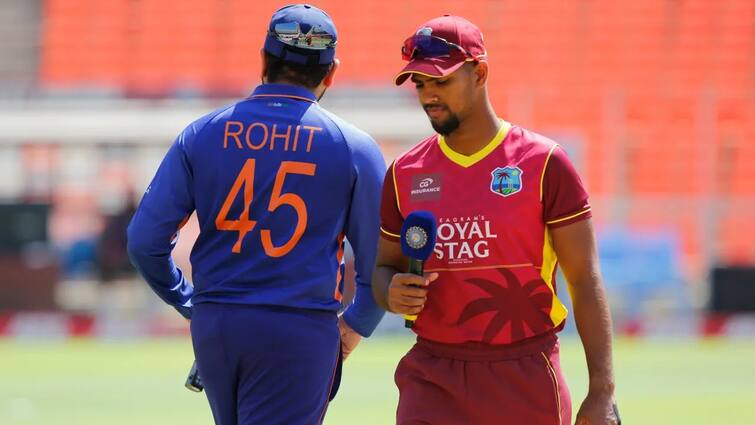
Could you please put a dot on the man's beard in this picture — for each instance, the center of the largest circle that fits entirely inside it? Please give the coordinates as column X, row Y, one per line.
column 448, row 126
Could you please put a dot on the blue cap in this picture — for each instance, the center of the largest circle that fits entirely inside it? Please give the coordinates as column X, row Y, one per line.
column 302, row 34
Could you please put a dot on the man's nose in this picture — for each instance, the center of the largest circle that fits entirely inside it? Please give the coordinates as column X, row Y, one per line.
column 429, row 97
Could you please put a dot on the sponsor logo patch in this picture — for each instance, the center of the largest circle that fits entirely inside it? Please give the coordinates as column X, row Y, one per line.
column 426, row 187
column 465, row 240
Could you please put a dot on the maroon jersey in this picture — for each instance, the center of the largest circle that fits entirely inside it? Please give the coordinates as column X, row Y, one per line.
column 494, row 254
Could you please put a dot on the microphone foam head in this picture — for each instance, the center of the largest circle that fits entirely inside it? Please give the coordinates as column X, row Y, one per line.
column 418, row 235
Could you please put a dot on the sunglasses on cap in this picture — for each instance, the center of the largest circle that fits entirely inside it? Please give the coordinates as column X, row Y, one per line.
column 430, row 46
column 290, row 33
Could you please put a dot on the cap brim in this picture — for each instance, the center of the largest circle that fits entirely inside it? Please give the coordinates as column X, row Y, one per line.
column 434, row 68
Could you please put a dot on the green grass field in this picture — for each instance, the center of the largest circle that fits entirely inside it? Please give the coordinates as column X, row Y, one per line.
column 92, row 382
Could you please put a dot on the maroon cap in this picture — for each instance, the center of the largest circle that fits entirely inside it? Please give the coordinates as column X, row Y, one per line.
column 453, row 29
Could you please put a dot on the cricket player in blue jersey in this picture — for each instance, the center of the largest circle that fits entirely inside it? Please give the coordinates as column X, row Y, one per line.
column 277, row 183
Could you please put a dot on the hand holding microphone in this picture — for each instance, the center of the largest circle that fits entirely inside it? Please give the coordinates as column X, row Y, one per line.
column 407, row 292
column 407, row 295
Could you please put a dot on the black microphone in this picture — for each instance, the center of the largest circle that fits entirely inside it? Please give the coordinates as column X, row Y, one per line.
column 418, row 235
column 193, row 381
column 616, row 412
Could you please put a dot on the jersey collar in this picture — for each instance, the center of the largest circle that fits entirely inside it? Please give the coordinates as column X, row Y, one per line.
column 283, row 90
column 467, row 161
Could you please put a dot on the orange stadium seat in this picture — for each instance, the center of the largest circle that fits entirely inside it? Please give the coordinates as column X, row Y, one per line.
column 663, row 146
column 735, row 237
column 84, row 44
column 736, row 131
column 734, row 47
column 62, row 44
column 598, row 148
column 553, row 46
column 240, row 56
column 742, row 180
column 570, row 65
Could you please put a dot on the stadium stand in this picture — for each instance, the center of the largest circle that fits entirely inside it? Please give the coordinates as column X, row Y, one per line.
column 655, row 100
column 678, row 73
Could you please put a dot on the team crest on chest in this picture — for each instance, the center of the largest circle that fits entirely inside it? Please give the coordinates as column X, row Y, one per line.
column 506, row 181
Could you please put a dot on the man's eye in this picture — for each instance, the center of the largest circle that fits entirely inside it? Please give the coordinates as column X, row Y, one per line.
column 441, row 82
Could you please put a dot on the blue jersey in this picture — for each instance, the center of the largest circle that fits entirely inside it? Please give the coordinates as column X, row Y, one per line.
column 277, row 183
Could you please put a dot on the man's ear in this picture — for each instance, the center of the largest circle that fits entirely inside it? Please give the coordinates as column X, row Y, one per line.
column 330, row 78
column 481, row 73
column 264, row 65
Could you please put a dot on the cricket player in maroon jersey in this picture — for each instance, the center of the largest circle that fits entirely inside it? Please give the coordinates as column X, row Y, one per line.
column 510, row 207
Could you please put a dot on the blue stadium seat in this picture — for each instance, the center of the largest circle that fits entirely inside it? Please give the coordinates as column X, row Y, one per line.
column 642, row 274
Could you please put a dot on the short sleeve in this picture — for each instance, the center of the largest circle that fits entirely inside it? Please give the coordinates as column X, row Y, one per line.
column 390, row 215
column 565, row 200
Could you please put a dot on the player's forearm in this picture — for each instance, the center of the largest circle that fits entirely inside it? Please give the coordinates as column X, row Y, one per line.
column 363, row 315
column 165, row 279
column 593, row 320
column 381, row 279
column 153, row 261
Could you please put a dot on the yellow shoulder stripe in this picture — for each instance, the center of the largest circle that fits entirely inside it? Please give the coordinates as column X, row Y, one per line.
column 569, row 217
column 542, row 176
column 389, row 233
column 395, row 186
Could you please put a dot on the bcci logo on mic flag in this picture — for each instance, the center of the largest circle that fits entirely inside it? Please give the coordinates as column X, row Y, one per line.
column 506, row 181
column 416, row 237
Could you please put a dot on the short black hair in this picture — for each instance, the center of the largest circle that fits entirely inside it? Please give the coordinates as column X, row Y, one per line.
column 309, row 76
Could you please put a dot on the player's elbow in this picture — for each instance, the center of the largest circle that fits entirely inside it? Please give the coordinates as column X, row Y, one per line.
column 137, row 243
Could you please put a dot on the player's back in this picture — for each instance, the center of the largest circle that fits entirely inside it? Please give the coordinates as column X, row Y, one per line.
column 272, row 183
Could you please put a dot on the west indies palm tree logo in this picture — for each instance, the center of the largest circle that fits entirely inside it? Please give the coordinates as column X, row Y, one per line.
column 506, row 181
column 526, row 308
